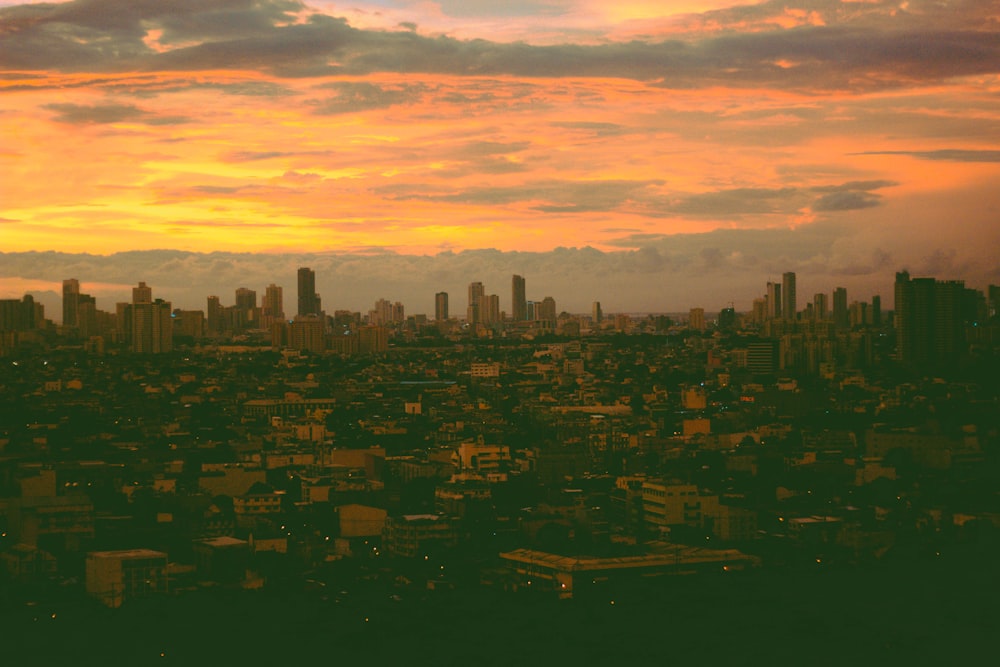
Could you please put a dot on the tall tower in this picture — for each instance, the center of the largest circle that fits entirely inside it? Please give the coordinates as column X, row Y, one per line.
column 476, row 293
column 519, row 303
column 596, row 314
column 489, row 309
column 441, row 306
column 152, row 330
column 789, row 309
column 773, row 300
column 821, row 307
column 70, row 300
column 841, row 318
column 696, row 319
column 274, row 305
column 308, row 299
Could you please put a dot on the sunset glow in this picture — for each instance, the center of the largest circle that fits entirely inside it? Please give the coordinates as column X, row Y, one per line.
column 416, row 128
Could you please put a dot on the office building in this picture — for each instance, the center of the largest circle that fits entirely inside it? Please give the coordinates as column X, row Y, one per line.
column 441, row 306
column 273, row 309
column 476, row 293
column 519, row 302
column 696, row 319
column 841, row 317
column 789, row 307
column 309, row 302
column 821, row 307
column 70, row 300
column 489, row 311
column 546, row 311
column 151, row 325
column 596, row 314
column 773, row 300
column 930, row 321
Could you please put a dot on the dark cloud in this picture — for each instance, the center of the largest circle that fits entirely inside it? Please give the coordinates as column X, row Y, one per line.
column 737, row 202
column 545, row 196
column 354, row 96
column 846, row 201
column 109, row 113
column 281, row 37
column 854, row 186
column 946, row 154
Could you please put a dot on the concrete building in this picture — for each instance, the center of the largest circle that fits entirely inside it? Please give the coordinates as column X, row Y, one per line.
column 114, row 577
column 417, row 535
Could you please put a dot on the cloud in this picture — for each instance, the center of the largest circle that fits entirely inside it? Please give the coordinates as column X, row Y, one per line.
column 846, row 201
column 552, row 196
column 946, row 154
column 286, row 39
column 850, row 196
column 354, row 96
column 109, row 113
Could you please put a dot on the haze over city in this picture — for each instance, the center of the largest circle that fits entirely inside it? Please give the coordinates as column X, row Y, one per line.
column 653, row 156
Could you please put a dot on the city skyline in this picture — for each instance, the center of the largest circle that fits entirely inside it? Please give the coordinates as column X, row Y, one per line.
column 605, row 153
column 830, row 302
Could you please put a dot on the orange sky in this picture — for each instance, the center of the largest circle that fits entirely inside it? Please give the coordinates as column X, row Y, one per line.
column 420, row 127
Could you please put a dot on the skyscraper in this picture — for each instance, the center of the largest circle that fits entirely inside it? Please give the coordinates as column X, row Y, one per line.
column 519, row 302
column 773, row 300
column 489, row 309
column 151, row 330
column 274, row 305
column 789, row 308
column 696, row 319
column 596, row 314
column 821, row 307
column 841, row 318
column 546, row 311
column 441, row 306
column 476, row 293
column 70, row 299
column 308, row 298
column 930, row 323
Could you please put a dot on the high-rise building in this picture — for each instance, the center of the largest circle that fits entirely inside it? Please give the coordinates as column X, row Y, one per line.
column 789, row 307
column 758, row 311
column 151, row 330
column 519, row 302
column 213, row 318
column 306, row 334
column 727, row 318
column 596, row 314
column 476, row 293
column 441, row 306
column 489, row 311
column 246, row 299
column 821, row 307
column 876, row 312
column 17, row 314
column 930, row 321
column 773, row 300
column 841, row 318
column 546, row 311
column 273, row 309
column 70, row 299
column 309, row 303
column 696, row 319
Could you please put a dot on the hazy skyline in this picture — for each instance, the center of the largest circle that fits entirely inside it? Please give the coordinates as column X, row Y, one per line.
column 650, row 155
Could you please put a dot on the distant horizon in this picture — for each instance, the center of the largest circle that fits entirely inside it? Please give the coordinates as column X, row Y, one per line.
column 353, row 282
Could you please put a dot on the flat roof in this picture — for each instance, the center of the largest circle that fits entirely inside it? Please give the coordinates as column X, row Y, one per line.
column 126, row 554
column 676, row 555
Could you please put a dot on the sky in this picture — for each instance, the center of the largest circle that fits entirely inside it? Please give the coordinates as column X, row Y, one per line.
column 648, row 154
